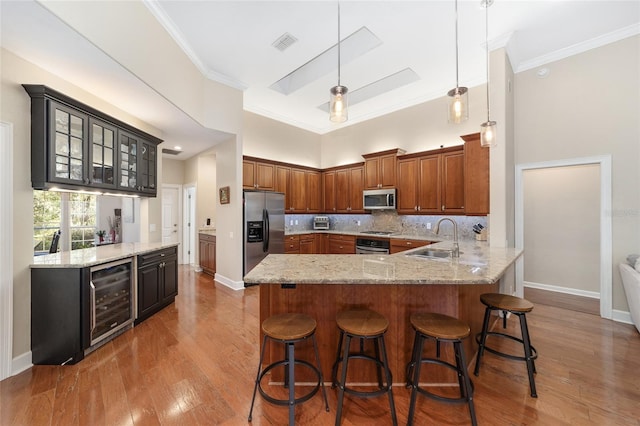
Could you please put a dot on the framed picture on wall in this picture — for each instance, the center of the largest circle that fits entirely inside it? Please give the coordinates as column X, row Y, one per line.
column 224, row 195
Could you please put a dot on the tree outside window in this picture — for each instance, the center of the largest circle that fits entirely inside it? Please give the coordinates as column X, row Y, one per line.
column 74, row 214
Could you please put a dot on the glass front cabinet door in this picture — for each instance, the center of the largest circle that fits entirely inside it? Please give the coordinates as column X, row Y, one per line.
column 128, row 162
column 102, row 139
column 148, row 167
column 69, row 151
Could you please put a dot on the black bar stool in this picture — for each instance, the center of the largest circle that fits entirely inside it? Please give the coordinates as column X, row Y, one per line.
column 519, row 307
column 363, row 324
column 289, row 329
column 442, row 328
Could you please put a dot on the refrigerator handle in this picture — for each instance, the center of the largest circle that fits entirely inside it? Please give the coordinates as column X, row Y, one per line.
column 265, row 243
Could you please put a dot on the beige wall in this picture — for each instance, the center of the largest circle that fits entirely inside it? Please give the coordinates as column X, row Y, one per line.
column 173, row 171
column 418, row 128
column 272, row 140
column 15, row 109
column 206, row 191
column 562, row 207
column 589, row 105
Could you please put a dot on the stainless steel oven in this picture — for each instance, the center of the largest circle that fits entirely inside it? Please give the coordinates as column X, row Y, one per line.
column 372, row 246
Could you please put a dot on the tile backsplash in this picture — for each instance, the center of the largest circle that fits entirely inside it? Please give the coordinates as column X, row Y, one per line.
column 389, row 221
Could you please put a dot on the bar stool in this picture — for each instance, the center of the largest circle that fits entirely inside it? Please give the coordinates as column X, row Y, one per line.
column 363, row 324
column 441, row 328
column 289, row 329
column 519, row 307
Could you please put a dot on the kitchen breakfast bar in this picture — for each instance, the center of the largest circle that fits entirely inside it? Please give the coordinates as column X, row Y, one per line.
column 396, row 286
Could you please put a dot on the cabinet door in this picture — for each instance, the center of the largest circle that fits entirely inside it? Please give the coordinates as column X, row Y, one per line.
column 387, row 171
column 265, row 176
column 453, row 182
column 149, row 295
column 476, row 178
column 169, row 278
column 307, row 244
column 314, row 194
column 248, row 174
column 329, row 192
column 68, row 145
column 282, row 184
column 147, row 166
column 203, row 251
column 298, row 187
column 211, row 257
column 429, row 184
column 356, row 186
column 128, row 161
column 371, row 168
column 342, row 190
column 102, row 154
column 408, row 186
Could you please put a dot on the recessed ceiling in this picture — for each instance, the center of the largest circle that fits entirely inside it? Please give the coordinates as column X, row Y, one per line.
column 231, row 42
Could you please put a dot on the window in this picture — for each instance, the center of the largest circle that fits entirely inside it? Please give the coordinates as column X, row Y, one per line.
column 74, row 214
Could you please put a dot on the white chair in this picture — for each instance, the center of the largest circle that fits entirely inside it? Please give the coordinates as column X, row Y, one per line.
column 631, row 283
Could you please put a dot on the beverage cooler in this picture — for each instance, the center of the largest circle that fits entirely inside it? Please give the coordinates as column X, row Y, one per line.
column 75, row 310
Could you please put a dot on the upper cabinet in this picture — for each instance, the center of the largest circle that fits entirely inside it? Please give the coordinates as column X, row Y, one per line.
column 476, row 176
column 343, row 188
column 77, row 147
column 258, row 175
column 380, row 169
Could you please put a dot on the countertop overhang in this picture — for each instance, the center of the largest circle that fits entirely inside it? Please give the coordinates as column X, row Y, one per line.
column 478, row 264
column 96, row 255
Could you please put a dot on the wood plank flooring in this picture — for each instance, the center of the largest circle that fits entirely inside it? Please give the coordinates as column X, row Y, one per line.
column 194, row 363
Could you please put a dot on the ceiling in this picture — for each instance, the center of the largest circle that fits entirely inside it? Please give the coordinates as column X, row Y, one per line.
column 231, row 42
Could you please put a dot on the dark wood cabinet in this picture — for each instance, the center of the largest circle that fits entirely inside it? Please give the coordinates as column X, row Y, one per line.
column 329, row 191
column 397, row 245
column 476, row 176
column 349, row 186
column 75, row 146
column 309, row 244
column 380, row 169
column 453, row 182
column 292, row 244
column 305, row 194
column 342, row 244
column 207, row 253
column 258, row 175
column 283, row 176
column 157, row 281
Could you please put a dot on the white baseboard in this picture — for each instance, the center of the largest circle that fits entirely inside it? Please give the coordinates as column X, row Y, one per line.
column 21, row 363
column 622, row 316
column 234, row 285
column 565, row 290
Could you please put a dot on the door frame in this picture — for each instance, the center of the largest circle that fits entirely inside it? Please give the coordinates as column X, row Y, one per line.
column 189, row 231
column 6, row 250
column 606, row 243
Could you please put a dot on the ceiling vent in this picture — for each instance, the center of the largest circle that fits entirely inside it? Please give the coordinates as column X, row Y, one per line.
column 171, row 151
column 284, row 41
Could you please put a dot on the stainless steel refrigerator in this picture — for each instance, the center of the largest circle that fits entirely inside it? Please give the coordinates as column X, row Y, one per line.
column 263, row 226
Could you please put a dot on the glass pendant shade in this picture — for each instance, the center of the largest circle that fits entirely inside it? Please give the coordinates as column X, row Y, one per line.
column 458, row 105
column 488, row 134
column 338, row 104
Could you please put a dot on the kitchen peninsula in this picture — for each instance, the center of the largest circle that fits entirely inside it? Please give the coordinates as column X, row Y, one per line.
column 394, row 285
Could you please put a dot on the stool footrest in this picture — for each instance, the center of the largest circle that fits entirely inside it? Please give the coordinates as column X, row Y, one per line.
column 299, row 400
column 534, row 353
column 436, row 396
column 380, row 391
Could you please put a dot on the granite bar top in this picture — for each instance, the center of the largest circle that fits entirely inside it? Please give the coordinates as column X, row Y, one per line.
column 95, row 255
column 478, row 264
column 428, row 237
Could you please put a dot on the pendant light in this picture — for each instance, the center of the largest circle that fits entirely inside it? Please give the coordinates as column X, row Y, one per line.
column 487, row 129
column 338, row 101
column 458, row 102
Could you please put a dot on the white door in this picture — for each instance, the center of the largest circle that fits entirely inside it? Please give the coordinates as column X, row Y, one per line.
column 170, row 217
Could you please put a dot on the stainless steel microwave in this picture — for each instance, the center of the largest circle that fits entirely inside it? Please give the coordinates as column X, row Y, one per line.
column 379, row 199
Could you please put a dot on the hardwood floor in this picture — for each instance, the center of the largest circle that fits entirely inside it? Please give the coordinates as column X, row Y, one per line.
column 195, row 363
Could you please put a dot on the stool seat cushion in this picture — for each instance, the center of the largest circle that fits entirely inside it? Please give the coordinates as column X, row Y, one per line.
column 439, row 326
column 506, row 302
column 362, row 322
column 289, row 326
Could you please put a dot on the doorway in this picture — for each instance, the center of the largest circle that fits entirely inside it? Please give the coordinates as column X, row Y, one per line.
column 6, row 250
column 189, row 235
column 171, row 221
column 563, row 225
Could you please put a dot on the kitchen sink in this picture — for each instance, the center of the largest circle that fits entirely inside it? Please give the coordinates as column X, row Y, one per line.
column 431, row 253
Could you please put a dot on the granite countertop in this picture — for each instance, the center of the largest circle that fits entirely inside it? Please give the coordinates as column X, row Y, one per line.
column 478, row 264
column 95, row 255
column 207, row 231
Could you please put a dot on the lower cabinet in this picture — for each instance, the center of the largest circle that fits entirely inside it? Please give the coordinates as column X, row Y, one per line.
column 157, row 281
column 341, row 244
column 292, row 244
column 207, row 253
column 398, row 245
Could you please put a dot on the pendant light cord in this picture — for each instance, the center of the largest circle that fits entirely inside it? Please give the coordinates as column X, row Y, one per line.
column 338, row 43
column 457, row 85
column 486, row 42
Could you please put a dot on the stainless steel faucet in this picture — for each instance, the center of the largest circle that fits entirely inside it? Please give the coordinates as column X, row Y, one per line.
column 456, row 247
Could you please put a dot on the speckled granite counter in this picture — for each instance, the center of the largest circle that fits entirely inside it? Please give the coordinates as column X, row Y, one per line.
column 428, row 237
column 478, row 264
column 207, row 231
column 95, row 255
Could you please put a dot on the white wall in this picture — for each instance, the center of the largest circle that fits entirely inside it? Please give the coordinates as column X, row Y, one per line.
column 589, row 105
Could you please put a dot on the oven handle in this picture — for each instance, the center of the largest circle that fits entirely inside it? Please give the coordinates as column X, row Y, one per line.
column 92, row 289
column 371, row 250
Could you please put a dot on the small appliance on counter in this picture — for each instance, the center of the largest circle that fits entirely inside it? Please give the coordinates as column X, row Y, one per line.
column 321, row 222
